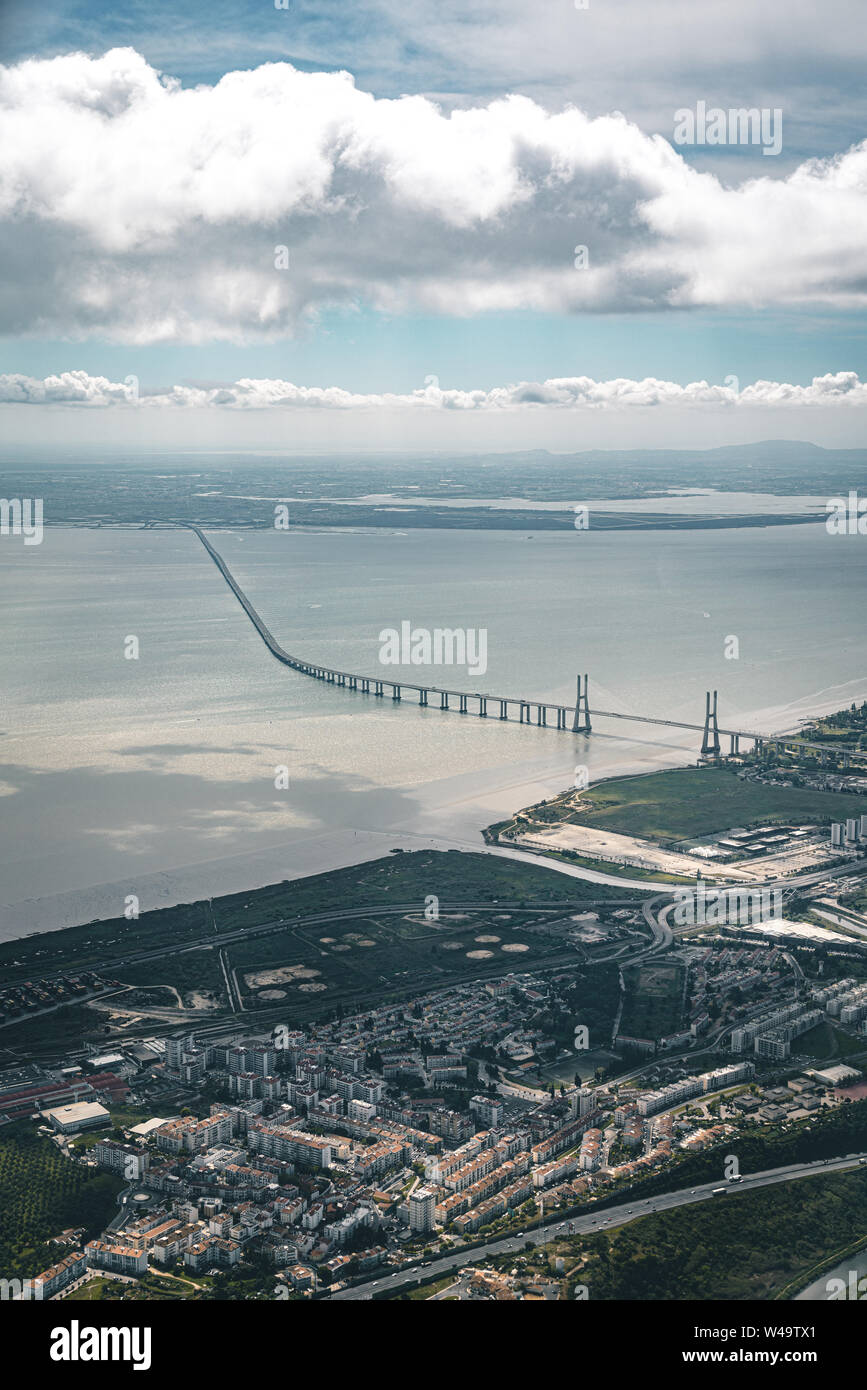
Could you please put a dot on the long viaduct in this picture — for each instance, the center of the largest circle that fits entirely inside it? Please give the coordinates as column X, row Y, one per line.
column 517, row 708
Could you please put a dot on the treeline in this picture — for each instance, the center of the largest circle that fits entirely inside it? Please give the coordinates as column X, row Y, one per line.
column 747, row 1246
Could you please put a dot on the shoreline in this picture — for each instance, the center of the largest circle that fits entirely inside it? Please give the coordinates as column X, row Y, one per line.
column 334, row 850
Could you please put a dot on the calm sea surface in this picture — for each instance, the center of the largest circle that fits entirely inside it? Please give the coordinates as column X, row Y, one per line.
column 156, row 776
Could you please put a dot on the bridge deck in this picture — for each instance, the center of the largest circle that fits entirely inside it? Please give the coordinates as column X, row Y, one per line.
column 563, row 712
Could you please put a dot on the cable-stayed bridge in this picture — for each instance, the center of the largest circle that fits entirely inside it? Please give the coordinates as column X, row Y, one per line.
column 515, row 708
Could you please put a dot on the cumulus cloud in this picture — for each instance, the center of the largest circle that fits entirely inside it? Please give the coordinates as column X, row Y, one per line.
column 138, row 209
column 557, row 393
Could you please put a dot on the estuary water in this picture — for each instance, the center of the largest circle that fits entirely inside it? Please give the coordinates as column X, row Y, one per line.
column 156, row 775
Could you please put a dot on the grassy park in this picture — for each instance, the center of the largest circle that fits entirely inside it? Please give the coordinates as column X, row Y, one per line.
column 679, row 804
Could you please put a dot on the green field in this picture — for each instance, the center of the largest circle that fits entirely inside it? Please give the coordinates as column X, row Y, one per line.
column 152, row 1287
column 680, row 804
column 373, row 955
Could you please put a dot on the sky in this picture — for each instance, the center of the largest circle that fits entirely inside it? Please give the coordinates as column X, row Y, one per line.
column 409, row 225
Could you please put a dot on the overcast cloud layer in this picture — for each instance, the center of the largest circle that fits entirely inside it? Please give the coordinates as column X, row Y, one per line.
column 135, row 209
column 614, row 55
column 80, row 389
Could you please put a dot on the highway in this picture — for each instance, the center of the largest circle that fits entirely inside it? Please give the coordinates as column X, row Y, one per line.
column 604, row 1220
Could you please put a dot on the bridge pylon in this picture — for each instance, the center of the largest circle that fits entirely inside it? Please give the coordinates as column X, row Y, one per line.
column 581, row 720
column 710, row 744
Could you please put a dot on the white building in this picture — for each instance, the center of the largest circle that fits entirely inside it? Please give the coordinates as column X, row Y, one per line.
column 71, row 1119
column 422, row 1204
column 488, row 1110
column 128, row 1159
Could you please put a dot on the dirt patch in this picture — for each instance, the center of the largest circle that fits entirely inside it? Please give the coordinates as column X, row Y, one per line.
column 197, row 1000
column 284, row 974
column 480, row 955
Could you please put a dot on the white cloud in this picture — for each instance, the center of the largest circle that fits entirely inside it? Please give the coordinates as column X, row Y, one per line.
column 134, row 208
column 840, row 389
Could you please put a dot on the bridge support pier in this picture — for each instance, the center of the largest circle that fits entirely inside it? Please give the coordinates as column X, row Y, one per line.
column 444, row 699
column 504, row 714
column 365, row 685
column 378, row 688
column 395, row 692
column 581, row 719
column 734, row 744
column 710, row 744
column 422, row 698
column 463, row 704
column 483, row 706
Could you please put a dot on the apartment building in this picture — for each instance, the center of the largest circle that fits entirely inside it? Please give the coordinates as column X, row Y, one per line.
column 296, row 1145
column 189, row 1135
column 130, row 1160
column 118, row 1258
column 422, row 1207
column 58, row 1276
